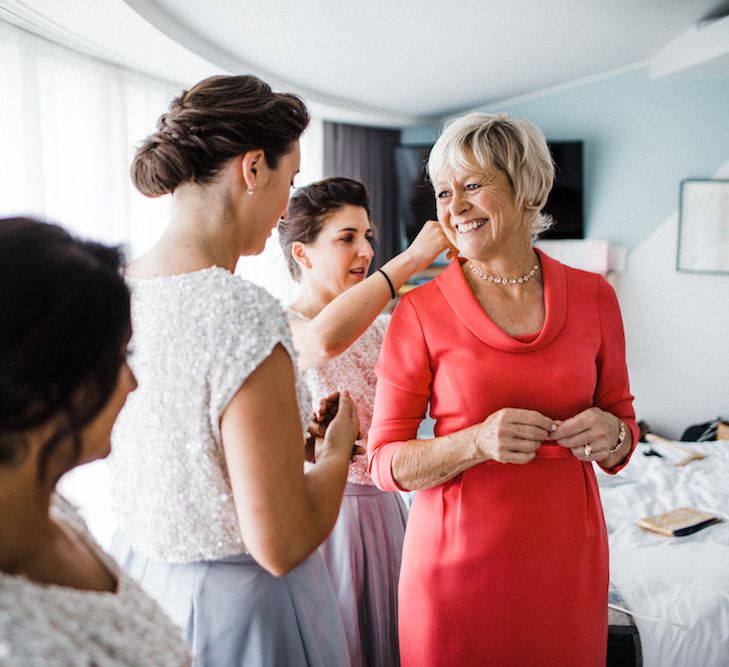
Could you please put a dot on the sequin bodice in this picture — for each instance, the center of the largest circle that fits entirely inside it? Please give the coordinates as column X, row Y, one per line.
column 353, row 370
column 197, row 337
column 42, row 624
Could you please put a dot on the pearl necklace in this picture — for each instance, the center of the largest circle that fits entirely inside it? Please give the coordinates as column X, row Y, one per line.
column 504, row 281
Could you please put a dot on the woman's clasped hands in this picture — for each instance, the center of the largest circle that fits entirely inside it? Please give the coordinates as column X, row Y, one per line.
column 513, row 435
column 589, row 435
column 333, row 425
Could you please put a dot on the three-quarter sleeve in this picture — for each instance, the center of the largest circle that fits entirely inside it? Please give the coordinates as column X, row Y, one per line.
column 403, row 389
column 612, row 393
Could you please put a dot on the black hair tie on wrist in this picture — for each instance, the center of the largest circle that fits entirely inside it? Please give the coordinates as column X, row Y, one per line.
column 389, row 282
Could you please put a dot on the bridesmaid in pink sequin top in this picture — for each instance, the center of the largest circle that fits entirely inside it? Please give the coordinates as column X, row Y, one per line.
column 338, row 330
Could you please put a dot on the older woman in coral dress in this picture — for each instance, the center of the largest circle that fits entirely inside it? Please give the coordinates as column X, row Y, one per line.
column 521, row 360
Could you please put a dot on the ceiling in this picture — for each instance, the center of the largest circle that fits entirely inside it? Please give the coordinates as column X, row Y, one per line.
column 391, row 62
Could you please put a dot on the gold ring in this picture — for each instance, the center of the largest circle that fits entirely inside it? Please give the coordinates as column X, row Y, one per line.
column 588, row 450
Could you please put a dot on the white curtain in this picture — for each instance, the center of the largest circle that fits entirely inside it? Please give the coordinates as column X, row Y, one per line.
column 68, row 127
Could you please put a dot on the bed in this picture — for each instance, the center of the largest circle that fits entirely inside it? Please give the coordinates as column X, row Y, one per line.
column 675, row 588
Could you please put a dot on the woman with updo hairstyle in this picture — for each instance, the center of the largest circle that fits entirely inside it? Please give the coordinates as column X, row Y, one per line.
column 520, row 360
column 64, row 376
column 338, row 329
column 217, row 518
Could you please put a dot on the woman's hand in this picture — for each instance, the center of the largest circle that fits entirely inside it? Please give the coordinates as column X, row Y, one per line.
column 342, row 431
column 511, row 435
column 589, row 435
column 317, row 427
column 428, row 244
column 323, row 415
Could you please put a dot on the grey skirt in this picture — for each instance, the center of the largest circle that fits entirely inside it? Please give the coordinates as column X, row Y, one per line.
column 234, row 613
column 363, row 556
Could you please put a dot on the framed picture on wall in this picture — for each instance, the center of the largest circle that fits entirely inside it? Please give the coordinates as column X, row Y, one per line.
column 703, row 226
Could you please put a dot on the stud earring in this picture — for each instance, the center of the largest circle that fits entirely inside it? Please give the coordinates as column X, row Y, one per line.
column 250, row 191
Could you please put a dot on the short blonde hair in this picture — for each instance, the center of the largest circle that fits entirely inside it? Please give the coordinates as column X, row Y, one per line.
column 512, row 145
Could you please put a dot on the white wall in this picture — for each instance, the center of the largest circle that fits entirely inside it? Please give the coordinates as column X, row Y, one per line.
column 677, row 334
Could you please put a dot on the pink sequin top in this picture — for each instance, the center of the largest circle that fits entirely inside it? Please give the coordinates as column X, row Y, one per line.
column 353, row 370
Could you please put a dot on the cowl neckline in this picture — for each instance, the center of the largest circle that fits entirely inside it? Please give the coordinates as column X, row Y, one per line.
column 457, row 292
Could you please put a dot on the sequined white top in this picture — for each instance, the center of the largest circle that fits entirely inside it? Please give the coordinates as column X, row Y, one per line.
column 44, row 624
column 197, row 337
column 353, row 370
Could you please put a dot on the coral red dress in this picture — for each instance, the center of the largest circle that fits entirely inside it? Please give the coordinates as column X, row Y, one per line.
column 503, row 564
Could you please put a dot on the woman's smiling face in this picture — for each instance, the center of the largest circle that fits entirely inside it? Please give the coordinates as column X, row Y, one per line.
column 477, row 211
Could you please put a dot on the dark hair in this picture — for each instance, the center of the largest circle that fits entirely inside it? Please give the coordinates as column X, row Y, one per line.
column 64, row 309
column 217, row 119
column 309, row 207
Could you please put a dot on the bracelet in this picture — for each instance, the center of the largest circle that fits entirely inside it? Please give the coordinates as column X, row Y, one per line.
column 389, row 282
column 621, row 438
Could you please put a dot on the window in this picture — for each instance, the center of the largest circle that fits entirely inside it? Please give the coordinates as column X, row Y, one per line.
column 70, row 124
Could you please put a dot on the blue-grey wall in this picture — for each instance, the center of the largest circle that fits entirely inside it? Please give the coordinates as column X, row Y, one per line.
column 641, row 137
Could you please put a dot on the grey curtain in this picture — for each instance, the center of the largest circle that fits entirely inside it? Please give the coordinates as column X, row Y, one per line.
column 367, row 154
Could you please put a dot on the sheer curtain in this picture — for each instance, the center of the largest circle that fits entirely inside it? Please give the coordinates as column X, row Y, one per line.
column 68, row 127
column 368, row 155
column 69, row 124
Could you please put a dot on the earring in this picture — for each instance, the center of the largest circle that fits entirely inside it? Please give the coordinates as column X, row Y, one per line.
column 250, row 191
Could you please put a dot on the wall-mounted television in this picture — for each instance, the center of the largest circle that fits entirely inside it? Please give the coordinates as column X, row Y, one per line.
column 565, row 199
column 416, row 202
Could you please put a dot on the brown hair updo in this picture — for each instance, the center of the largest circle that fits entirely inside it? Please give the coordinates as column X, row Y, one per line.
column 217, row 119
column 309, row 207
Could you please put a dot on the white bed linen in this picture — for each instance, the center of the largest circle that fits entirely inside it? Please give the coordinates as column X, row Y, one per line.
column 676, row 587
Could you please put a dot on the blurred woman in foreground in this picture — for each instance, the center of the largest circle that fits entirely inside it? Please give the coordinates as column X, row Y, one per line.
column 64, row 377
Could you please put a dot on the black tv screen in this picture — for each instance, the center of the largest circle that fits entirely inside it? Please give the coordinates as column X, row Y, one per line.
column 565, row 200
column 416, row 202
column 415, row 199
